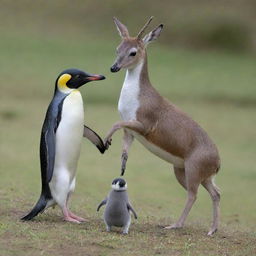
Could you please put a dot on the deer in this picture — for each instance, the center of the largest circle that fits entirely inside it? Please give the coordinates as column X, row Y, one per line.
column 162, row 127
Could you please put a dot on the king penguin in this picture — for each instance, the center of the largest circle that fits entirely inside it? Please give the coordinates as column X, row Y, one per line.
column 118, row 207
column 60, row 144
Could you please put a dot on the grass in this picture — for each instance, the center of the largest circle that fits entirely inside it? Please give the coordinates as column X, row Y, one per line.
column 216, row 89
column 153, row 190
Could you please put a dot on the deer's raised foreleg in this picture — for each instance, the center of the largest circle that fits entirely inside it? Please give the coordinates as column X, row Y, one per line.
column 135, row 126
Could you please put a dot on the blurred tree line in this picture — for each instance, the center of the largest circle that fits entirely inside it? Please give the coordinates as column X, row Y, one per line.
column 216, row 24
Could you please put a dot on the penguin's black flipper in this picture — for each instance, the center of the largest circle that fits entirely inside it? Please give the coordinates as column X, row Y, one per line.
column 94, row 138
column 132, row 210
column 48, row 137
column 102, row 203
column 47, row 154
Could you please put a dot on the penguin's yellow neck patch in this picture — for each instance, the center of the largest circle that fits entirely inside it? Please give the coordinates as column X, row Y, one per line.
column 62, row 83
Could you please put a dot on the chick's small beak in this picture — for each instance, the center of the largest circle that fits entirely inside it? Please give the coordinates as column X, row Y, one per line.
column 95, row 77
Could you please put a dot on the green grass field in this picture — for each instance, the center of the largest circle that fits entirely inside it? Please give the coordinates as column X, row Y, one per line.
column 216, row 89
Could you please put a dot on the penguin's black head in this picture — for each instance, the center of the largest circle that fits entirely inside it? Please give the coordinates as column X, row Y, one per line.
column 74, row 78
column 119, row 184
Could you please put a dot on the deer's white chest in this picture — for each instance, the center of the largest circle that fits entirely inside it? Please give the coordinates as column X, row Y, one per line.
column 128, row 103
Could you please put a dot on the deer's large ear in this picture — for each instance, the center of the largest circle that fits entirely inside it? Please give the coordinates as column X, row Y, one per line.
column 153, row 35
column 122, row 29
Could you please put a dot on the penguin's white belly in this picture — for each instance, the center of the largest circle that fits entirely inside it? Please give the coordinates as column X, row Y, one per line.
column 68, row 144
column 176, row 161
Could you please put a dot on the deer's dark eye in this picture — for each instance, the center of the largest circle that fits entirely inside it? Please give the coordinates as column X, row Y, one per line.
column 133, row 54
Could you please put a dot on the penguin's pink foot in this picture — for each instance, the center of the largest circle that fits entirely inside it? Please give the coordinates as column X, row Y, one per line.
column 80, row 219
column 70, row 219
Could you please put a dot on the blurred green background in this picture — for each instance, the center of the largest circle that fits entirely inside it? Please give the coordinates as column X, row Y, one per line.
column 219, row 36
column 204, row 61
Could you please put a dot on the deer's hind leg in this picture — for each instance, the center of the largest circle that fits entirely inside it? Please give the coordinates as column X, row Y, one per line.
column 215, row 196
column 190, row 179
column 180, row 176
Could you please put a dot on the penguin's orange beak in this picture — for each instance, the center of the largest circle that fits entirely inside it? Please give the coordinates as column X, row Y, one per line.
column 95, row 77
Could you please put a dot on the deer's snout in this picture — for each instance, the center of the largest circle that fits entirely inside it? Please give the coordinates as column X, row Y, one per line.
column 115, row 68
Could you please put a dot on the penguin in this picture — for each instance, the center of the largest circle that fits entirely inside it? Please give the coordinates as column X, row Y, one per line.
column 118, row 208
column 61, row 136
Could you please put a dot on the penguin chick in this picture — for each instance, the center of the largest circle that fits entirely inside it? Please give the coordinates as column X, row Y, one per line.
column 118, row 208
column 61, row 137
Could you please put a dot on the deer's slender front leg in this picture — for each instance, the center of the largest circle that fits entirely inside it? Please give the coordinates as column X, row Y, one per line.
column 132, row 125
column 127, row 141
